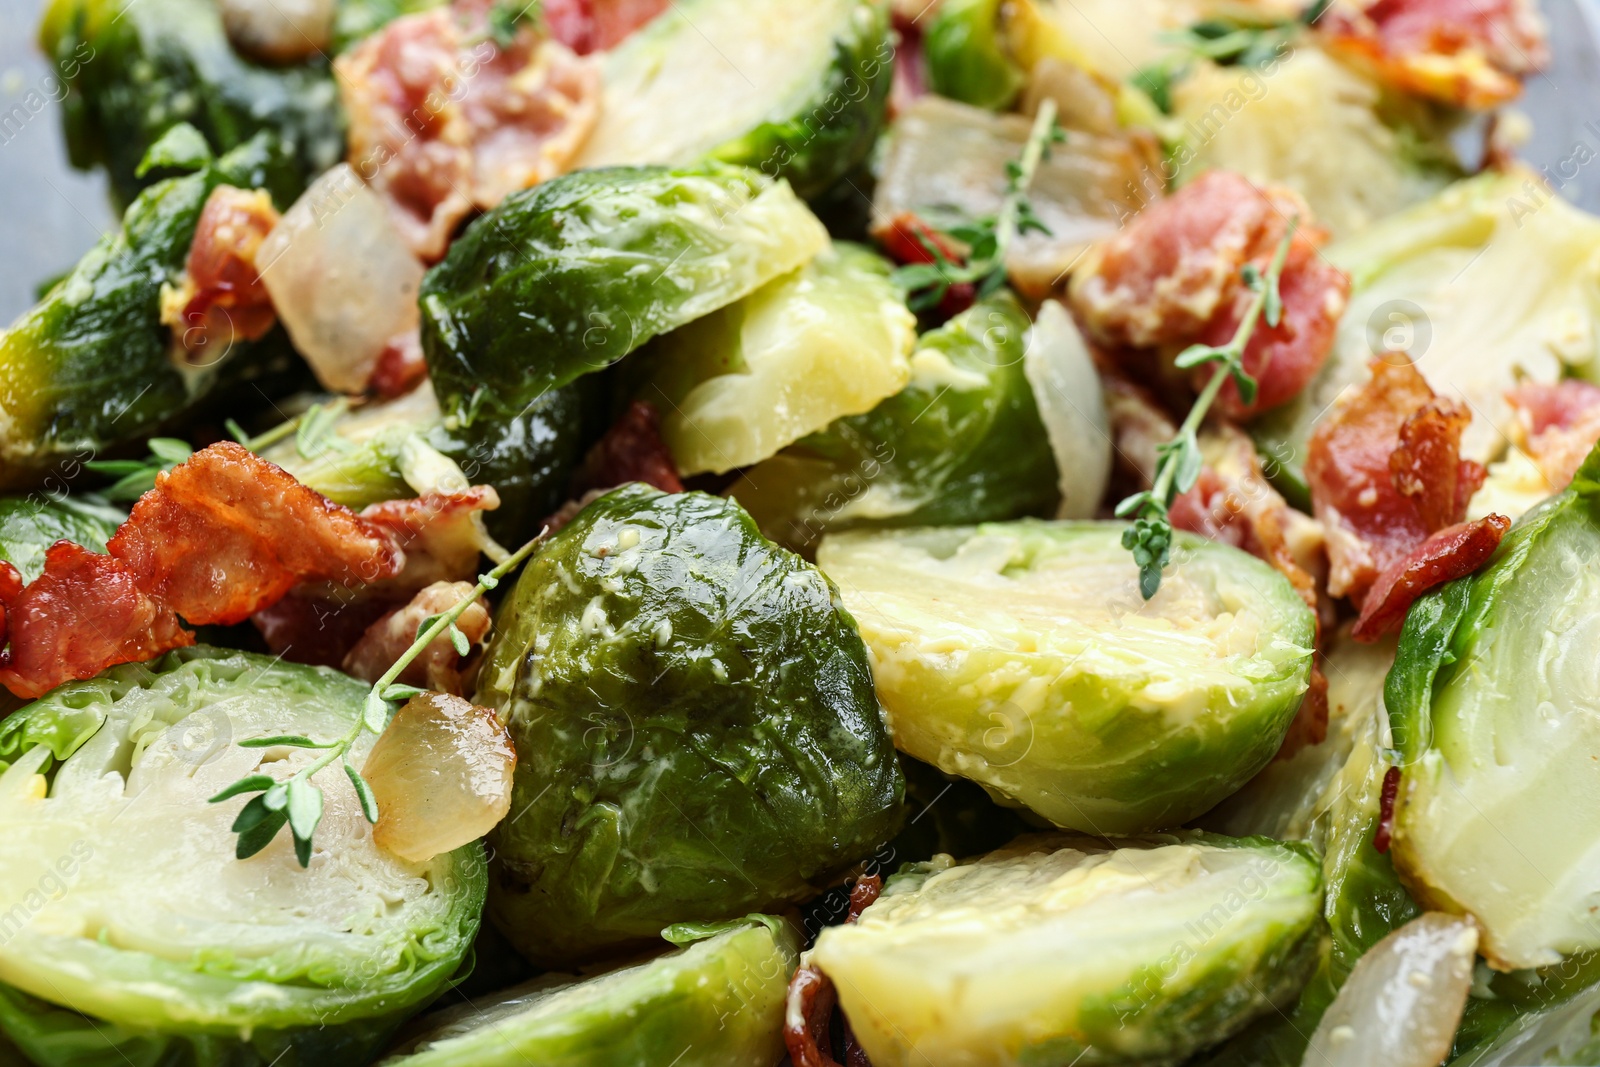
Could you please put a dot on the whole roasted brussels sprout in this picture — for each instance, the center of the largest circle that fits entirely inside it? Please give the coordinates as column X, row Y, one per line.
column 717, row 1001
column 829, row 340
column 89, row 367
column 1058, row 950
column 1491, row 702
column 136, row 68
column 961, row 443
column 796, row 91
column 695, row 726
column 134, row 932
column 966, row 57
column 1021, row 655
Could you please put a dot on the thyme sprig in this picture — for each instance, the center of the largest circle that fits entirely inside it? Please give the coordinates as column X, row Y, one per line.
column 297, row 801
column 1149, row 537
column 989, row 238
column 135, row 477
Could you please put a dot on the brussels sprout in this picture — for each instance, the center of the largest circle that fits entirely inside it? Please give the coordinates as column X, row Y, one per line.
column 1491, row 699
column 89, row 368
column 137, row 68
column 31, row 524
column 945, row 162
column 1174, row 943
column 961, row 443
column 1484, row 285
column 1022, row 656
column 1306, row 121
column 830, row 340
column 716, row 1002
column 797, row 91
column 570, row 276
column 695, row 725
column 144, row 935
column 966, row 59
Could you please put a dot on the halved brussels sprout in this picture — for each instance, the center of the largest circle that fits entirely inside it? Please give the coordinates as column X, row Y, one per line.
column 797, row 91
column 961, row 443
column 1058, row 950
column 1488, row 283
column 967, row 58
column 570, row 276
column 136, row 68
column 695, row 727
column 130, row 911
column 945, row 160
column 1307, row 121
column 830, row 340
column 89, row 367
column 1492, row 700
column 31, row 524
column 718, row 1001
column 1022, row 656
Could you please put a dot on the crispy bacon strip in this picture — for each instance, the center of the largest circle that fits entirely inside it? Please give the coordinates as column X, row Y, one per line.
column 439, row 666
column 219, row 539
column 808, row 1018
column 442, row 120
column 1560, row 425
column 1386, row 474
column 221, row 298
column 598, row 25
column 84, row 613
column 1469, row 53
column 227, row 533
column 1172, row 278
column 1452, row 553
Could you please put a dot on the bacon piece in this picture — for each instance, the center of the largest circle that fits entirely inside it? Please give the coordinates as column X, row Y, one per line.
column 84, row 613
column 1385, row 473
column 598, row 25
column 443, row 121
column 808, row 1018
column 227, row 533
column 319, row 625
column 222, row 298
column 630, row 451
column 438, row 667
column 1172, row 278
column 1560, row 425
column 1452, row 553
column 1383, row 836
column 909, row 240
column 1469, row 53
column 441, row 535
column 400, row 367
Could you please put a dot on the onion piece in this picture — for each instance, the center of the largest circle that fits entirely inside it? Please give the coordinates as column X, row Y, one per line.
column 341, row 277
column 441, row 774
column 1066, row 389
column 278, row 31
column 1403, row 1002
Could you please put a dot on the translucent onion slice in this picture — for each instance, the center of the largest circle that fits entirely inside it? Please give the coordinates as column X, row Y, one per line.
column 341, row 278
column 441, row 774
column 1403, row 1001
column 278, row 31
column 1066, row 388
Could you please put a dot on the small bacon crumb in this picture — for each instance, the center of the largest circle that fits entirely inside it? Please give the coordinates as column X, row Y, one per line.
column 808, row 1018
column 438, row 667
column 221, row 298
column 1391, row 791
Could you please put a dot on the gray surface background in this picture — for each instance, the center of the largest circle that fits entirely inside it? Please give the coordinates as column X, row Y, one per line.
column 50, row 214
